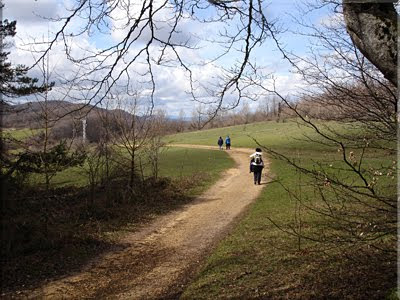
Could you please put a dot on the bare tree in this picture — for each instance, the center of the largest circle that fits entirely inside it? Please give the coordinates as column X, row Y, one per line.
column 155, row 34
column 46, row 120
column 263, row 109
column 96, row 163
column 357, row 199
column 245, row 113
column 181, row 122
column 198, row 117
column 132, row 118
column 156, row 144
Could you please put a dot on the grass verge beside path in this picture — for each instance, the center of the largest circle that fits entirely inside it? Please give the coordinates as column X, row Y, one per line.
column 175, row 163
column 259, row 261
column 178, row 163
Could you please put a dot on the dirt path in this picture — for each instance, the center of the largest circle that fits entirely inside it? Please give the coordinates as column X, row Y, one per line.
column 157, row 261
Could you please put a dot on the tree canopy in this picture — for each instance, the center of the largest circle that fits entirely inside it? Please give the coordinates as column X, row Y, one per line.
column 14, row 81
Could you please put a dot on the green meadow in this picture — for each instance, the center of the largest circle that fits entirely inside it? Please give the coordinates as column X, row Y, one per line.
column 175, row 163
column 283, row 136
column 179, row 163
column 20, row 134
column 259, row 260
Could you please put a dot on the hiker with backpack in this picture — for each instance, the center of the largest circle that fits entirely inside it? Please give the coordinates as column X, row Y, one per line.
column 228, row 142
column 256, row 165
column 220, row 143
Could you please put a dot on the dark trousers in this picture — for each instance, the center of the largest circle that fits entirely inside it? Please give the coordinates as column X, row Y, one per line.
column 228, row 146
column 257, row 176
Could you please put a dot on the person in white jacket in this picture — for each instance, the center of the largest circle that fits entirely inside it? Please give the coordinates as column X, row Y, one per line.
column 256, row 165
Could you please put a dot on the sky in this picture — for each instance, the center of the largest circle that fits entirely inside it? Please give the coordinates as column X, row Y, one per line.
column 172, row 84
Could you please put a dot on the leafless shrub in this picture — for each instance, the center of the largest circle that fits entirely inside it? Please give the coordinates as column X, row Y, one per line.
column 355, row 195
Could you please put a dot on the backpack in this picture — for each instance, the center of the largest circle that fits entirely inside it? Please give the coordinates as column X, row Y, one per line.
column 257, row 159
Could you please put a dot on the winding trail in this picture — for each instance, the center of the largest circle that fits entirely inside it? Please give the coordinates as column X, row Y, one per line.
column 157, row 261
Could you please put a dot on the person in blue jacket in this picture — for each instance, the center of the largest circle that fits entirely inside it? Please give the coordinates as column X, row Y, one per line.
column 220, row 143
column 228, row 142
column 256, row 165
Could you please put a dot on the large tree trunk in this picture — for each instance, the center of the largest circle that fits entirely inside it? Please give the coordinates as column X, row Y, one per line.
column 372, row 26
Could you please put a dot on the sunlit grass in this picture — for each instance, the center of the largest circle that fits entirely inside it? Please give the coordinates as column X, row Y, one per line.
column 288, row 135
column 21, row 134
column 259, row 260
column 175, row 163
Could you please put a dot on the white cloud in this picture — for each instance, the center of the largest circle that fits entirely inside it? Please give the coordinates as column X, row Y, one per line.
column 28, row 12
column 332, row 20
column 171, row 82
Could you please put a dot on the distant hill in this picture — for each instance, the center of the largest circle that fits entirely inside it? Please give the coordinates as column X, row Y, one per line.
column 31, row 114
column 65, row 117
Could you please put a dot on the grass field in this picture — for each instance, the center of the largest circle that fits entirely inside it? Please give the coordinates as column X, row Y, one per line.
column 285, row 136
column 259, row 260
column 183, row 162
column 20, row 134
